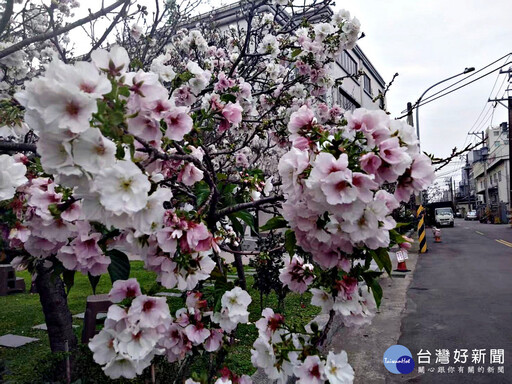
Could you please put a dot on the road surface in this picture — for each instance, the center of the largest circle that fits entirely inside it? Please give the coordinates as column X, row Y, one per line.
column 461, row 298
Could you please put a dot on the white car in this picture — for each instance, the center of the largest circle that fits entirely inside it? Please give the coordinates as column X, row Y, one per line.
column 471, row 215
column 444, row 216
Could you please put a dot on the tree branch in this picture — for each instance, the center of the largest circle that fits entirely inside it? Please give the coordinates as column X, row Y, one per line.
column 9, row 146
column 108, row 30
column 49, row 35
column 252, row 204
column 6, row 16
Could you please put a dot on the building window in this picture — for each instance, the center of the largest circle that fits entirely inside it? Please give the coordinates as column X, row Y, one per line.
column 499, row 176
column 496, row 178
column 348, row 63
column 367, row 83
column 346, row 103
column 496, row 133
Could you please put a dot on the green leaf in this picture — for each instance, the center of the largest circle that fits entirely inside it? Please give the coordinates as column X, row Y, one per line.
column 376, row 290
column 69, row 279
column 124, row 91
column 128, row 139
column 290, row 242
column 220, row 287
column 202, row 191
column 381, row 257
column 274, row 223
column 120, row 151
column 94, row 280
column 237, row 226
column 119, row 268
column 227, row 97
column 247, row 218
column 296, row 52
column 186, row 76
column 395, row 237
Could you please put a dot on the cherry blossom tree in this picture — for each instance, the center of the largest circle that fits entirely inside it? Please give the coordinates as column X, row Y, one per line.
column 168, row 156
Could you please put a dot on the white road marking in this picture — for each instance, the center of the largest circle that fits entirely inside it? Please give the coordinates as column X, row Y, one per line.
column 480, row 233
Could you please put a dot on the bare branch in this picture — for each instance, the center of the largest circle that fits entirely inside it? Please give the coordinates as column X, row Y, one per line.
column 8, row 146
column 252, row 204
column 6, row 16
column 49, row 35
column 108, row 30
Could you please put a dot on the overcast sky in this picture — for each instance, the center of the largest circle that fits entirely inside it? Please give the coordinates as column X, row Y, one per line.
column 428, row 41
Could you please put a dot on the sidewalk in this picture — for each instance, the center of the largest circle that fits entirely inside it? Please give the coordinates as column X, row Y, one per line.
column 366, row 345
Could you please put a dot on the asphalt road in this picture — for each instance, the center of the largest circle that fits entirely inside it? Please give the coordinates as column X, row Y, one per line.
column 461, row 298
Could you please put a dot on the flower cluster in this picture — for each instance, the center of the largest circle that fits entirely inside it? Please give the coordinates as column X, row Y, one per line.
column 336, row 203
column 12, row 175
column 283, row 353
column 128, row 342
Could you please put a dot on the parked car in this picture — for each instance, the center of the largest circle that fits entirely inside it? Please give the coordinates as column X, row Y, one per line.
column 444, row 216
column 471, row 215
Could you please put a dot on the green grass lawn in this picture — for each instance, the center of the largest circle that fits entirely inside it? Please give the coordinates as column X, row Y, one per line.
column 20, row 312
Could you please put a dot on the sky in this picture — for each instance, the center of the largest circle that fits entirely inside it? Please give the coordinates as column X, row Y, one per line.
column 426, row 42
column 429, row 41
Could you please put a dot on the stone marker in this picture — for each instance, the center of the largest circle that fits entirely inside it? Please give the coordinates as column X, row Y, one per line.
column 169, row 294
column 82, row 315
column 14, row 341
column 44, row 327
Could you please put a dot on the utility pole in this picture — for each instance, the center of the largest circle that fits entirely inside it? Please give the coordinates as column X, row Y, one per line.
column 509, row 107
column 410, row 121
column 451, row 189
column 484, row 151
column 510, row 151
column 484, row 157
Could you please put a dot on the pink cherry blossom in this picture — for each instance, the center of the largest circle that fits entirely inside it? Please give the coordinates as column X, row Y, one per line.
column 115, row 61
column 233, row 113
column 370, row 162
column 391, row 152
column 123, row 289
column 303, row 119
column 296, row 274
column 179, row 123
column 190, row 174
column 196, row 333
column 311, row 371
column 149, row 311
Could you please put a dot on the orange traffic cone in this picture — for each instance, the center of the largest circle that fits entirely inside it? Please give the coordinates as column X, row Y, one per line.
column 402, row 267
column 437, row 235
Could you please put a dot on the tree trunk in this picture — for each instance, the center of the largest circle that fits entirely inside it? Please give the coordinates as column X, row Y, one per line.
column 240, row 270
column 57, row 315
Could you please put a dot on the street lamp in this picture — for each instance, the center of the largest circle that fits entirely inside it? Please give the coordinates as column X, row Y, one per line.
column 466, row 70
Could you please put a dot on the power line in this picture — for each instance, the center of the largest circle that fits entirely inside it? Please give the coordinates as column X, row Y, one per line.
column 468, row 76
column 462, row 86
column 430, row 99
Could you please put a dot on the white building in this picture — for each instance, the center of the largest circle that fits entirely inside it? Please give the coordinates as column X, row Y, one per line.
column 498, row 171
column 356, row 92
column 362, row 82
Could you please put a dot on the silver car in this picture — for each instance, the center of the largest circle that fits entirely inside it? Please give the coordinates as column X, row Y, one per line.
column 471, row 215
